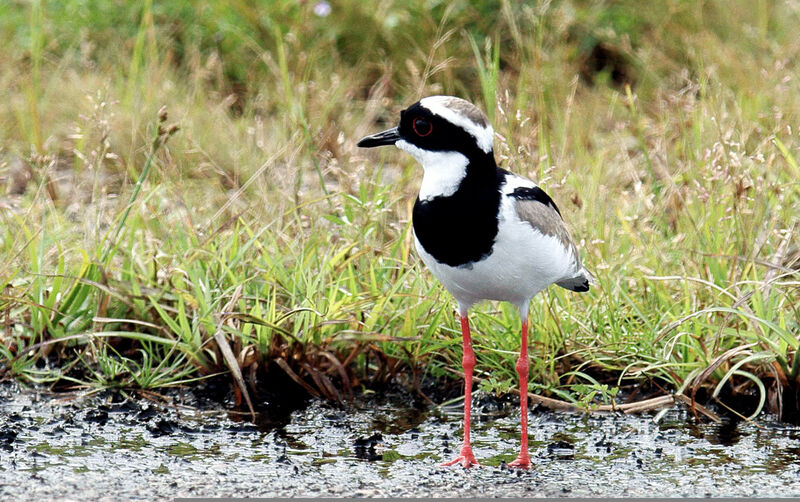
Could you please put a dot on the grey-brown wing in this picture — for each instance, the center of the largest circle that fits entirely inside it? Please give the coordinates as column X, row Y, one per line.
column 536, row 208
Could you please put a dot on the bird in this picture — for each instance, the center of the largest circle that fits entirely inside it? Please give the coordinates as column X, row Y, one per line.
column 484, row 232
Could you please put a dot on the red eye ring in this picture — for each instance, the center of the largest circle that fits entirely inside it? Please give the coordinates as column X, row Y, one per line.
column 422, row 127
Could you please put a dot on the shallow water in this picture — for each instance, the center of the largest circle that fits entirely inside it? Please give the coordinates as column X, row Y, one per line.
column 77, row 449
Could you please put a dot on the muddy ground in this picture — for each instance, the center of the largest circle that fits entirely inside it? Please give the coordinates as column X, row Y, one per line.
column 107, row 447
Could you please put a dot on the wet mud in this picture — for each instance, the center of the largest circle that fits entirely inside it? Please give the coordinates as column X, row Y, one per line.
column 106, row 447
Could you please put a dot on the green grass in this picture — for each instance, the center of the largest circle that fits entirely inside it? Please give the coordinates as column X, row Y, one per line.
column 260, row 222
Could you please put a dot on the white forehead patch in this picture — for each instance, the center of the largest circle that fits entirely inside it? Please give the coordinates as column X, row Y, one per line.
column 438, row 105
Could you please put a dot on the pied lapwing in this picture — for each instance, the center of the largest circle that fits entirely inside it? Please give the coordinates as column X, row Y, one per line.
column 485, row 233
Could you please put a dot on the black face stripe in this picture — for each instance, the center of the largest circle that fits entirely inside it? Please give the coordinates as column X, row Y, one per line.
column 460, row 229
column 535, row 193
column 444, row 136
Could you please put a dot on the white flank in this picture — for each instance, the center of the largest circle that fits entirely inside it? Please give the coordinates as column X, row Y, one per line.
column 484, row 136
column 443, row 170
column 571, row 266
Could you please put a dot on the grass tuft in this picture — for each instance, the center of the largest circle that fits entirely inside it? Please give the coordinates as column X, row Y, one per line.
column 259, row 239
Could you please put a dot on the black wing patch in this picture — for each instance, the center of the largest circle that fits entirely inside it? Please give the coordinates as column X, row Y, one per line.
column 534, row 193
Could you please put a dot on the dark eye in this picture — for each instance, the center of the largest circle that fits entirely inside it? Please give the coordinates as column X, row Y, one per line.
column 422, row 127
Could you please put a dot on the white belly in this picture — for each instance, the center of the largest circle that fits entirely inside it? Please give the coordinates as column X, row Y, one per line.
column 523, row 263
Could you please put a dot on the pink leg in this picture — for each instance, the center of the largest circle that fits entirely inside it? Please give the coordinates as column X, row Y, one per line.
column 523, row 461
column 466, row 458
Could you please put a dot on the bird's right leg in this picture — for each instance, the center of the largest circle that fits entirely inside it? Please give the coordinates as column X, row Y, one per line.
column 466, row 458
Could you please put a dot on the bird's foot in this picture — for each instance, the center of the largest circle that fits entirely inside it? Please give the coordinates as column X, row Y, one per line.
column 465, row 458
column 523, row 461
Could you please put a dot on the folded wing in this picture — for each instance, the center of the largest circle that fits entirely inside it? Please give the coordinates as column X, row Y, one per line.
column 536, row 208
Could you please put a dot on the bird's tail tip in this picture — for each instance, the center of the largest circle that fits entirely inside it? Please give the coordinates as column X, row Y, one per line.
column 579, row 283
column 589, row 277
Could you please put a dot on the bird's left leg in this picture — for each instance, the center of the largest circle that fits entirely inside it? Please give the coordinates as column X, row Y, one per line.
column 523, row 460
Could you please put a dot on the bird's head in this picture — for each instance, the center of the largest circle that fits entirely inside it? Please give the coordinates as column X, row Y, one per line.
column 436, row 126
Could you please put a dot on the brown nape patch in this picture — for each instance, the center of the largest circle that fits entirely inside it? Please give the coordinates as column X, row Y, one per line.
column 468, row 110
column 545, row 219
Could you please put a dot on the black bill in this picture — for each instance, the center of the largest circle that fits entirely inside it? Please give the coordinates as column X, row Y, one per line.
column 388, row 137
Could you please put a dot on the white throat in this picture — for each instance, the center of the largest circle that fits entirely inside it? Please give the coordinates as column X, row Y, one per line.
column 443, row 170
